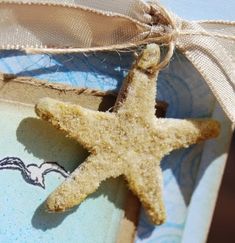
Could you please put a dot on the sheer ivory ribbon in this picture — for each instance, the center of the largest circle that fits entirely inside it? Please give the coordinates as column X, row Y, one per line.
column 62, row 26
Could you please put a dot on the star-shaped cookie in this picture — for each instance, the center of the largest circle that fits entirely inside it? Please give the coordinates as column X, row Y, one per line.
column 130, row 141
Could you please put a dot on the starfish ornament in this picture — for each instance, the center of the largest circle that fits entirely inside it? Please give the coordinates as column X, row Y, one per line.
column 130, row 141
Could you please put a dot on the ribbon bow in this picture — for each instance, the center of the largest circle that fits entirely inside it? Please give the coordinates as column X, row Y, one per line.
column 62, row 26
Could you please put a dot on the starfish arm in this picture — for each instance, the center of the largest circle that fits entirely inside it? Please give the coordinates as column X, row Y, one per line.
column 81, row 183
column 147, row 185
column 178, row 133
column 80, row 123
column 138, row 92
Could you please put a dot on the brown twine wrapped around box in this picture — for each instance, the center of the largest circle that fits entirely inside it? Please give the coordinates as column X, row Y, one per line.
column 63, row 26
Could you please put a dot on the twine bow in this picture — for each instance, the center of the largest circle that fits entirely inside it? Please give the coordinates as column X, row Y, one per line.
column 62, row 26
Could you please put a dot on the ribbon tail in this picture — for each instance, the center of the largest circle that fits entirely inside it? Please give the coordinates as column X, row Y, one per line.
column 224, row 28
column 213, row 62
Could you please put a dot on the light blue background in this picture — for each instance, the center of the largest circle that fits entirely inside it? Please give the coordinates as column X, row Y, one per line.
column 202, row 9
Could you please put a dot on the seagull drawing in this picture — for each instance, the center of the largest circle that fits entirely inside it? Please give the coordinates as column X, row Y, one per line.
column 32, row 173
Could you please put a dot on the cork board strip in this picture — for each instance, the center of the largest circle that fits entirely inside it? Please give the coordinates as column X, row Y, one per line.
column 10, row 85
column 12, row 88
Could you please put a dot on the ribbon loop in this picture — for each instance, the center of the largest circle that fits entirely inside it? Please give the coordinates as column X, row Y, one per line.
column 213, row 61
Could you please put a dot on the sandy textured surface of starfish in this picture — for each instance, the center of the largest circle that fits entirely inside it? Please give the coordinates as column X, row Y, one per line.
column 130, row 141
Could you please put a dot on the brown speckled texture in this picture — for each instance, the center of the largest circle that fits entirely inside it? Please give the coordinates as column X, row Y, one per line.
column 131, row 141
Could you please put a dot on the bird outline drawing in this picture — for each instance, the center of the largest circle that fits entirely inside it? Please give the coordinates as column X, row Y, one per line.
column 32, row 173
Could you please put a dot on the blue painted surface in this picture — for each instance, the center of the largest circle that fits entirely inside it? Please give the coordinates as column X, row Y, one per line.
column 179, row 85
